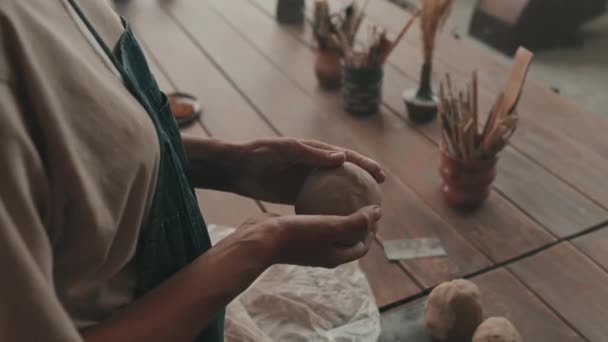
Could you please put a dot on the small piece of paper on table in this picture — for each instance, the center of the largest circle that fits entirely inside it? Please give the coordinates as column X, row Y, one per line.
column 413, row 249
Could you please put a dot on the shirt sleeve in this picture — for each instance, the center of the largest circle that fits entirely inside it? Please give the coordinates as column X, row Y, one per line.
column 29, row 307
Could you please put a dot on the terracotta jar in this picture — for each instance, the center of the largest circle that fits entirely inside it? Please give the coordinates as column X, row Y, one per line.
column 328, row 69
column 466, row 184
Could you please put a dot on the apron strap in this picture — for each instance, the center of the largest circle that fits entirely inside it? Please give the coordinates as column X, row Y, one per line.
column 98, row 38
column 127, row 78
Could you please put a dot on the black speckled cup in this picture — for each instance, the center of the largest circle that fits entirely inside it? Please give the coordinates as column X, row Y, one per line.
column 362, row 89
column 290, row 11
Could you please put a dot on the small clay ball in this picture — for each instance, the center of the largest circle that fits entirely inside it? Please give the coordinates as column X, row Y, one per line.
column 497, row 329
column 338, row 191
column 453, row 311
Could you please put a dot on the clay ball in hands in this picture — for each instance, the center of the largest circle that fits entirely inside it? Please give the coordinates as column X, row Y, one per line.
column 496, row 329
column 338, row 191
column 453, row 311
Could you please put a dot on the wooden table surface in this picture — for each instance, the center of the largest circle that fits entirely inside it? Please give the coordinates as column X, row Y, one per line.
column 537, row 247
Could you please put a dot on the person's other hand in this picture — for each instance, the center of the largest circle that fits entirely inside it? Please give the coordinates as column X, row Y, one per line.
column 312, row 240
column 274, row 169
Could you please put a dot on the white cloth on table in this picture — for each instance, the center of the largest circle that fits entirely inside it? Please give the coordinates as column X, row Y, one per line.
column 293, row 303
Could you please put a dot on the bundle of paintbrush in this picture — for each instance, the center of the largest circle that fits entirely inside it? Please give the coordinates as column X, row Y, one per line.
column 348, row 17
column 376, row 48
column 322, row 26
column 459, row 115
column 372, row 53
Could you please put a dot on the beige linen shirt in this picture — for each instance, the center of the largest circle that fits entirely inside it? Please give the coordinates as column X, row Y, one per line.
column 78, row 167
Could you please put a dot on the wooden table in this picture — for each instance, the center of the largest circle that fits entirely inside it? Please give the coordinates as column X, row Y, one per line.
column 536, row 248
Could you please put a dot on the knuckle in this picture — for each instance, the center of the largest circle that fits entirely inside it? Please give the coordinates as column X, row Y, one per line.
column 361, row 218
column 334, row 224
column 293, row 142
column 274, row 224
column 341, row 227
column 249, row 221
column 293, row 145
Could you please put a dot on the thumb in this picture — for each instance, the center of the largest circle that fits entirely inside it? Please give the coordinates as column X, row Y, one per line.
column 360, row 223
column 344, row 255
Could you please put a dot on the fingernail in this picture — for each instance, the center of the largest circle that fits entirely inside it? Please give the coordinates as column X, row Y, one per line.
column 336, row 155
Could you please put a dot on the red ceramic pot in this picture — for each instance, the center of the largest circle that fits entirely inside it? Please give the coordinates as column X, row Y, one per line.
column 466, row 184
column 328, row 69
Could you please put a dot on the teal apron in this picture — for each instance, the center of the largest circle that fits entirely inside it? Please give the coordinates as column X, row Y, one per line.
column 176, row 233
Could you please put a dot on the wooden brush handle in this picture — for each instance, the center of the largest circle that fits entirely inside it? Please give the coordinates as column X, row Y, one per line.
column 517, row 77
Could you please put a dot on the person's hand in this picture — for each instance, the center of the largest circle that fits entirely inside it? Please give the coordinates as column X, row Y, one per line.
column 316, row 241
column 274, row 169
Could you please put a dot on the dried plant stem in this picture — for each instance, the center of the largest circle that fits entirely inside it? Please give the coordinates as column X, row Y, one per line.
column 432, row 17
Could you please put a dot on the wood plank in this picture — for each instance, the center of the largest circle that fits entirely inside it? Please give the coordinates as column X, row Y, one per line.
column 503, row 295
column 294, row 113
column 569, row 282
column 547, row 108
column 459, row 57
column 545, row 146
column 563, row 210
column 163, row 81
column 534, row 138
column 405, row 216
column 571, row 161
column 558, row 154
column 546, row 120
column 234, row 119
column 210, row 87
column 388, row 281
column 537, row 179
column 499, row 229
column 556, row 205
column 595, row 246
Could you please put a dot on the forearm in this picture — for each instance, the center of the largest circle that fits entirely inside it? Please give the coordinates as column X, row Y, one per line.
column 187, row 302
column 212, row 162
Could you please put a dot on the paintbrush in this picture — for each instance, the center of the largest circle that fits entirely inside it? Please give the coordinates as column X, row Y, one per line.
column 405, row 28
column 517, row 77
column 459, row 114
column 459, row 117
column 359, row 19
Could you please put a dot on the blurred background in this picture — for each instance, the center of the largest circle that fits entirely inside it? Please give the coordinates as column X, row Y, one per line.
column 573, row 60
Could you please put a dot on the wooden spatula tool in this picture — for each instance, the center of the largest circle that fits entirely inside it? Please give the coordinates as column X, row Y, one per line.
column 517, row 77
